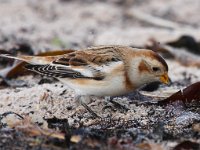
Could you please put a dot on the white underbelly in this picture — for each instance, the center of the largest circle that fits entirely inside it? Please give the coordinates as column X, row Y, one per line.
column 109, row 87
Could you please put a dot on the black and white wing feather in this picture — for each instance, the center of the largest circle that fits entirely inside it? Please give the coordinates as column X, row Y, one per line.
column 78, row 64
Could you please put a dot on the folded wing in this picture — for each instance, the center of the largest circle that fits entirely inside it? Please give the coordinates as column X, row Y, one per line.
column 88, row 64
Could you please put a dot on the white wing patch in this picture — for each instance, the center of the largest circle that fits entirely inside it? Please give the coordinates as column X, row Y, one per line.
column 94, row 70
column 108, row 68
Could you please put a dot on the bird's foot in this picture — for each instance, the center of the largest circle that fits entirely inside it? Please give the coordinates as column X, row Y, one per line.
column 83, row 100
column 116, row 104
column 119, row 106
column 94, row 115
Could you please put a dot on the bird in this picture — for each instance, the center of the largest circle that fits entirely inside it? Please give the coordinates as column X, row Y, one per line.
column 110, row 70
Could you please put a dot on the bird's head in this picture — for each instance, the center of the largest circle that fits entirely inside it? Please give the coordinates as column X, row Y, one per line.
column 149, row 67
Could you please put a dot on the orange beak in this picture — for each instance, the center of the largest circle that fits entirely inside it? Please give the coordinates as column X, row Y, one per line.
column 164, row 78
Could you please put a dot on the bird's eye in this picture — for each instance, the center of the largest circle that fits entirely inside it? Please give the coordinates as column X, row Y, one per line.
column 155, row 69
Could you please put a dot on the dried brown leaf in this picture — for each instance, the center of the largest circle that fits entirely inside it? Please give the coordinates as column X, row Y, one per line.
column 187, row 95
column 150, row 146
column 187, row 145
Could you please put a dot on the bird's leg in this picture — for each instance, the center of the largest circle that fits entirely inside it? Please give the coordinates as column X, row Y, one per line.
column 107, row 102
column 82, row 100
column 107, row 99
column 116, row 104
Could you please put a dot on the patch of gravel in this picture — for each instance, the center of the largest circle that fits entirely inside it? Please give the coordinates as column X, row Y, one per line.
column 63, row 24
column 57, row 100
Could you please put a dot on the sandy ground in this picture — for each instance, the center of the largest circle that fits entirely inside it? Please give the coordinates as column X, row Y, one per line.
column 57, row 100
column 54, row 24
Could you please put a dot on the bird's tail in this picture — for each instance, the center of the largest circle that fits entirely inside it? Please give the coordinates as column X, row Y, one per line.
column 22, row 58
column 30, row 59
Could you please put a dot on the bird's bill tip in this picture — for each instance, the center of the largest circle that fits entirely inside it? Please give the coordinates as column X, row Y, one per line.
column 165, row 78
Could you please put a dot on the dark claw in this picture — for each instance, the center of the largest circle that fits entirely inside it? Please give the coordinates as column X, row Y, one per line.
column 118, row 105
column 90, row 110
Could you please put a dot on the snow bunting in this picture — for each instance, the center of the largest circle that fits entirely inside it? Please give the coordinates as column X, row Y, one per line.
column 101, row 70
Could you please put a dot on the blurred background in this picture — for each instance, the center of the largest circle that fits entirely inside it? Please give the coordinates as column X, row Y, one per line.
column 170, row 27
column 63, row 24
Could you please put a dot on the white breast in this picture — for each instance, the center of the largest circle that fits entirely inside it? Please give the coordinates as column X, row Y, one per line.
column 112, row 85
